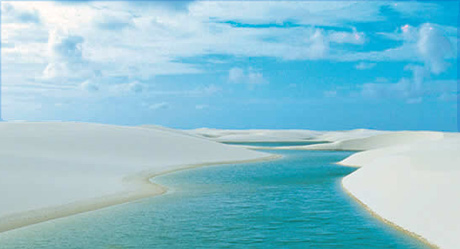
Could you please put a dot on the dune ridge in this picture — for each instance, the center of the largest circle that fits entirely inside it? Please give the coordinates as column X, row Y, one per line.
column 54, row 169
column 258, row 135
column 414, row 185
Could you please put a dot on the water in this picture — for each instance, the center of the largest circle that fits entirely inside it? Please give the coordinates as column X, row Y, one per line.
column 294, row 202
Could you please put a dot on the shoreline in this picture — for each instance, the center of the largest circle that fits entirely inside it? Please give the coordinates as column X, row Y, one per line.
column 380, row 218
column 144, row 189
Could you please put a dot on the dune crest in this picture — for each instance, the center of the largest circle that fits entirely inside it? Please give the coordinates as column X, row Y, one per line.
column 54, row 169
column 415, row 186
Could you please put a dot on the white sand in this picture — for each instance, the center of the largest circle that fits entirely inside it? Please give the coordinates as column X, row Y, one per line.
column 333, row 136
column 255, row 135
column 376, row 141
column 415, row 186
column 54, row 169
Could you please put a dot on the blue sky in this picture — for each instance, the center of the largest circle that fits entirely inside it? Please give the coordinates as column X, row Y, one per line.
column 310, row 65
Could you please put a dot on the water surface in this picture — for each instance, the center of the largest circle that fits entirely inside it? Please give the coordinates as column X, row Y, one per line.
column 293, row 202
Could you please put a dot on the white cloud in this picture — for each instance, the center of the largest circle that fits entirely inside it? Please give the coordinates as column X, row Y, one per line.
column 413, row 90
column 134, row 87
column 307, row 13
column 153, row 40
column 401, row 89
column 365, row 65
column 319, row 45
column 115, row 22
column 157, row 36
column 201, row 107
column 89, row 86
column 408, row 9
column 330, row 94
column 154, row 37
column 249, row 76
column 210, row 89
column 416, row 100
column 236, row 74
column 66, row 57
column 158, row 106
column 434, row 47
column 354, row 37
column 429, row 43
column 12, row 14
column 449, row 97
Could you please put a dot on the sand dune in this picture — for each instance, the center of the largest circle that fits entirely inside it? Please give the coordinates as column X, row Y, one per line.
column 54, row 169
column 255, row 135
column 367, row 141
column 333, row 136
column 281, row 135
column 415, row 186
column 378, row 141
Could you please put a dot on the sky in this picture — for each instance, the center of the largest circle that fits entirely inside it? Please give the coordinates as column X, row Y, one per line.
column 234, row 65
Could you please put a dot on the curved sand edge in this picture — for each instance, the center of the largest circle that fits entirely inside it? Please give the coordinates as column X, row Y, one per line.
column 380, row 218
column 145, row 188
column 411, row 187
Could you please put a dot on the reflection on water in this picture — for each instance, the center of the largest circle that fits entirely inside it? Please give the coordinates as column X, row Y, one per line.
column 294, row 202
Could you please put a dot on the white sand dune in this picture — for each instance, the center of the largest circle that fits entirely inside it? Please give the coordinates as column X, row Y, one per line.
column 415, row 186
column 365, row 141
column 333, row 136
column 255, row 135
column 377, row 141
column 55, row 169
column 281, row 135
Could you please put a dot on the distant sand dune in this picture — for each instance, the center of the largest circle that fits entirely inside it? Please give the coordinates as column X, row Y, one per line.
column 254, row 135
column 377, row 141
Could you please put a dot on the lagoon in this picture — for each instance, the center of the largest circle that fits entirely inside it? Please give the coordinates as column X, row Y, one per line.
column 293, row 202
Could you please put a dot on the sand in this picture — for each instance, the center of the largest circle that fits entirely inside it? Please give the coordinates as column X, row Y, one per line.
column 415, row 186
column 54, row 169
column 255, row 135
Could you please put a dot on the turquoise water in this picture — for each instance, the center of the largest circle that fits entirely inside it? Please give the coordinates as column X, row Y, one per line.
column 293, row 202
